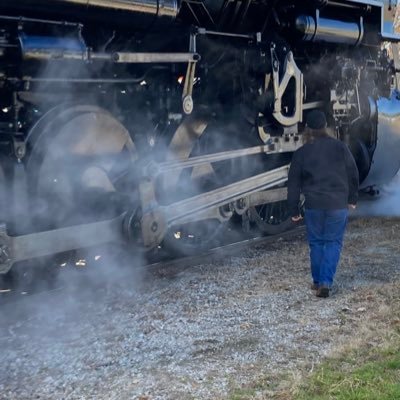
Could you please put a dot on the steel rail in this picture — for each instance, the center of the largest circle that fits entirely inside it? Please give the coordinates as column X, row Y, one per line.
column 182, row 263
column 222, row 252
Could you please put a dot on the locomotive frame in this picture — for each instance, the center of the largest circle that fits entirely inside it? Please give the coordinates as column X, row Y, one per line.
column 173, row 118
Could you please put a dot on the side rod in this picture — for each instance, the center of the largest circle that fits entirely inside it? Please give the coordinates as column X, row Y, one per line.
column 39, row 244
column 224, row 195
column 19, row 248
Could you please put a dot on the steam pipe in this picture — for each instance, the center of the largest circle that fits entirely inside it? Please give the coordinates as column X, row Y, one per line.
column 157, row 8
column 343, row 5
column 56, row 48
column 118, row 57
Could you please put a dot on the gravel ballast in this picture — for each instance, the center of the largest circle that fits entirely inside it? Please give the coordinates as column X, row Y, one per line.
column 193, row 333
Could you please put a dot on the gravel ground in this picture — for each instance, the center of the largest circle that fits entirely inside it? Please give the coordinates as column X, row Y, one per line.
column 195, row 333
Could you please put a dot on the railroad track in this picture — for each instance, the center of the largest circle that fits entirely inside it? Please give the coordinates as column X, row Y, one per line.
column 230, row 249
column 165, row 266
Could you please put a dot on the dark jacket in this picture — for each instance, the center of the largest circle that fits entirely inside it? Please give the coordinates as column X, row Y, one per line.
column 326, row 173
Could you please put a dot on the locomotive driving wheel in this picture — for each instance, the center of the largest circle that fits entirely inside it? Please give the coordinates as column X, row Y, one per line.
column 190, row 139
column 76, row 156
column 272, row 218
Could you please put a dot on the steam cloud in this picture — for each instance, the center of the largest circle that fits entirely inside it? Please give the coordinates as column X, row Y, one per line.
column 387, row 204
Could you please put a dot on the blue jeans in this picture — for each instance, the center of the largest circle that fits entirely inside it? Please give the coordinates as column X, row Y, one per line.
column 325, row 231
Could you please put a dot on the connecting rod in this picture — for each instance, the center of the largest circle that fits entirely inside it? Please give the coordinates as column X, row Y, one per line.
column 154, row 222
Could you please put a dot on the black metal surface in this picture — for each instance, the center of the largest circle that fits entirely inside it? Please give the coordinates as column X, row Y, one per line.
column 93, row 8
column 256, row 78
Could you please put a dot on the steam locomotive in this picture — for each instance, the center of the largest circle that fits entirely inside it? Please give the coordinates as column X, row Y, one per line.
column 158, row 123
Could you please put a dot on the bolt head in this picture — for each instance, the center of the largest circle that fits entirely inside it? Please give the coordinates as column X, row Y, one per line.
column 154, row 227
column 187, row 105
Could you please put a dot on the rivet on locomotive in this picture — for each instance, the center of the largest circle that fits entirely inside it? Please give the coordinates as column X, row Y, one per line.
column 161, row 122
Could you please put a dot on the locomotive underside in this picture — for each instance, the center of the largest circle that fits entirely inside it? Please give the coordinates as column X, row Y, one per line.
column 161, row 123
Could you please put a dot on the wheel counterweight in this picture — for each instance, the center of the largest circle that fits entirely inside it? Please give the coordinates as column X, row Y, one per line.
column 76, row 155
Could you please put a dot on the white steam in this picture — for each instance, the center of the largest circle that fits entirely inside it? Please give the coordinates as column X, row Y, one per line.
column 387, row 204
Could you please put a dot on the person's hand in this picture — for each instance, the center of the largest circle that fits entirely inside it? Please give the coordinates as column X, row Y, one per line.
column 297, row 218
column 352, row 206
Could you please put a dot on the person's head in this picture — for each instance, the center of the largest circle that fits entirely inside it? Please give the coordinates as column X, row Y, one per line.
column 316, row 126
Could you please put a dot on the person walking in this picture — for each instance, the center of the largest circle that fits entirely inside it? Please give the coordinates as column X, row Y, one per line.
column 325, row 172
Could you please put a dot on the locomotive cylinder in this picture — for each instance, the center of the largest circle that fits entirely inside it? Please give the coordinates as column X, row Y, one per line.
column 89, row 8
column 329, row 30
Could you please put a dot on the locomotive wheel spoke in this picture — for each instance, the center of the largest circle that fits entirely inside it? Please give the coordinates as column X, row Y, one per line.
column 272, row 218
column 75, row 157
column 189, row 238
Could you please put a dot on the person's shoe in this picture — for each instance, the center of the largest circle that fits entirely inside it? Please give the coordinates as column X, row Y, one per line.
column 323, row 291
column 314, row 286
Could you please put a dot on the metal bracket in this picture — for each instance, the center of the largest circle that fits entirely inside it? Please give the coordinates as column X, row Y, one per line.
column 256, row 36
column 187, row 99
column 153, row 222
column 280, row 85
column 241, row 205
column 19, row 147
